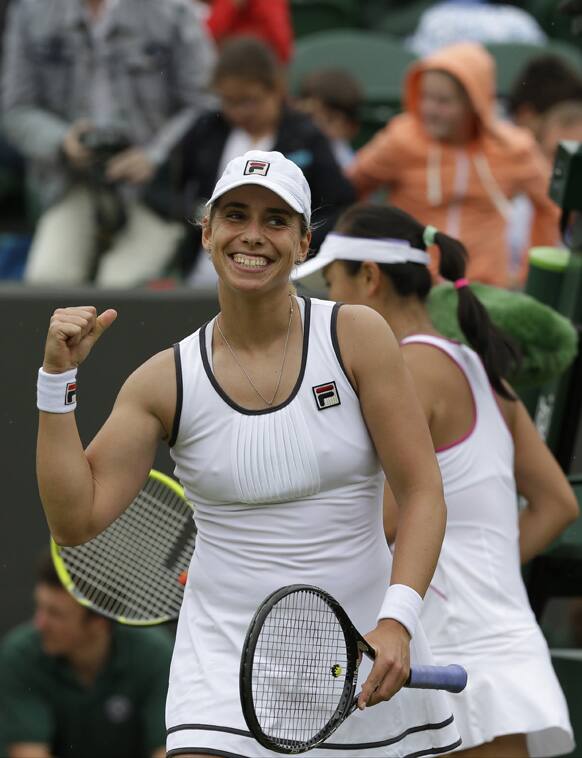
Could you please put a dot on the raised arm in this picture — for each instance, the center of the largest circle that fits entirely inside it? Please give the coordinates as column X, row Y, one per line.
column 400, row 434
column 83, row 491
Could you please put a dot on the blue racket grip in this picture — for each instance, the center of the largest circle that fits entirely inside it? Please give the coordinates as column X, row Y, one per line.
column 452, row 678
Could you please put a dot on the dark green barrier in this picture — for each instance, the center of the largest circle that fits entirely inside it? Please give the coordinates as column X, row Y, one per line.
column 147, row 322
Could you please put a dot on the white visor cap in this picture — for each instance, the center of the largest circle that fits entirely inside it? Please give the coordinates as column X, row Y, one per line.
column 337, row 247
column 271, row 170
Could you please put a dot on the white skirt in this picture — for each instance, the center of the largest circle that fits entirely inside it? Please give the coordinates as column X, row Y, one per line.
column 204, row 713
column 512, row 689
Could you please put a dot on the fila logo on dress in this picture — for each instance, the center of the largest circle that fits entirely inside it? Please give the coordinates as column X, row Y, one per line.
column 326, row 395
column 258, row 168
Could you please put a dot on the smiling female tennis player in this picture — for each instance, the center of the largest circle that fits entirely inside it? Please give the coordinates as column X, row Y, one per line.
column 282, row 414
column 488, row 449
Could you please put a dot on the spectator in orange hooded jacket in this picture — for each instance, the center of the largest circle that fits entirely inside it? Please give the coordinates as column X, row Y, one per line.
column 449, row 160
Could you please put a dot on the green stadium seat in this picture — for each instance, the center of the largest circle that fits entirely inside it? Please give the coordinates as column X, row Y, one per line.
column 311, row 16
column 511, row 58
column 403, row 19
column 377, row 61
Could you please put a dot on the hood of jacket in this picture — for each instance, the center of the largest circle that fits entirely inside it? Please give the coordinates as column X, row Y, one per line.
column 471, row 65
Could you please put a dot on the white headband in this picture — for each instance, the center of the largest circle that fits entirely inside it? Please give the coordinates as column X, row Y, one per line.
column 343, row 247
column 337, row 246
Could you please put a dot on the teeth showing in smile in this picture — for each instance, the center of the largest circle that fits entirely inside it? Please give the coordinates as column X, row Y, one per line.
column 250, row 261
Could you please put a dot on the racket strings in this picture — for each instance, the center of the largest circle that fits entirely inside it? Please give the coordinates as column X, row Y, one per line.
column 299, row 669
column 123, row 571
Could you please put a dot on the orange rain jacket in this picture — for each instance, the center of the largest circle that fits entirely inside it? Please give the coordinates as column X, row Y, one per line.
column 464, row 191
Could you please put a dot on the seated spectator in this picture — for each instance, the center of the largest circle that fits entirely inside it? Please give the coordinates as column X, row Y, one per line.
column 94, row 121
column 269, row 20
column 544, row 82
column 451, row 161
column 472, row 21
column 76, row 685
column 254, row 115
column 333, row 99
column 562, row 121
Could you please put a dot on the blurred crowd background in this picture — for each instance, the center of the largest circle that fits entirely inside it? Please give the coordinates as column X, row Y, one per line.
column 117, row 116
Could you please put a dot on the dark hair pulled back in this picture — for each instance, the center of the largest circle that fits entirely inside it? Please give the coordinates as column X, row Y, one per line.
column 498, row 352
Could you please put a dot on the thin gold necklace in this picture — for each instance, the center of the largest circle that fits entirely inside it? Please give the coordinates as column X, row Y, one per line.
column 242, row 368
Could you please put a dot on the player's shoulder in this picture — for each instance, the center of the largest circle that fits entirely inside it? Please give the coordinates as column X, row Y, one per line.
column 361, row 320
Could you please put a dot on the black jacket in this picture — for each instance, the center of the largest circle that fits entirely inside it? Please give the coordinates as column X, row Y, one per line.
column 198, row 157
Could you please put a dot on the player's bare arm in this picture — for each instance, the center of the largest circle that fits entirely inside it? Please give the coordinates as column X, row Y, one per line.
column 551, row 502
column 83, row 491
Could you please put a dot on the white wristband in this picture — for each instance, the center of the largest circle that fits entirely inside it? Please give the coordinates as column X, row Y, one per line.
column 403, row 604
column 56, row 393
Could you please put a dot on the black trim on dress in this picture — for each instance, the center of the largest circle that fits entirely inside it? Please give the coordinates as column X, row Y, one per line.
column 341, row 746
column 335, row 342
column 204, row 751
column 296, row 388
column 179, row 395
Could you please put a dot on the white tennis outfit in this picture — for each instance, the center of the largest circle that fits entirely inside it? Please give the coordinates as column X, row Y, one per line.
column 476, row 609
column 290, row 494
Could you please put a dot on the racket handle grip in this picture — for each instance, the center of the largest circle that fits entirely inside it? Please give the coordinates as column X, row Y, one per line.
column 452, row 678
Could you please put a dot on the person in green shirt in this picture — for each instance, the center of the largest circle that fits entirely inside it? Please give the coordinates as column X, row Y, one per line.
column 76, row 685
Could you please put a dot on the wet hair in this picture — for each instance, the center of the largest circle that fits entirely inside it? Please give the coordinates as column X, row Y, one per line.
column 336, row 88
column 250, row 59
column 498, row 352
column 543, row 82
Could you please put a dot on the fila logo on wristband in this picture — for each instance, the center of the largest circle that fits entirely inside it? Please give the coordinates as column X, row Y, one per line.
column 326, row 396
column 258, row 168
column 71, row 393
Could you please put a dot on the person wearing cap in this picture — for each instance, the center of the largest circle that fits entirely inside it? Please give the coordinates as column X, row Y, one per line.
column 488, row 449
column 283, row 414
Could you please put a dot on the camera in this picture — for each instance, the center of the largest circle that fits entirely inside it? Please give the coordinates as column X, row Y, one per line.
column 104, row 143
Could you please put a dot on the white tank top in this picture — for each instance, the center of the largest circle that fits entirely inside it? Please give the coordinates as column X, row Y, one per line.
column 298, row 485
column 477, row 590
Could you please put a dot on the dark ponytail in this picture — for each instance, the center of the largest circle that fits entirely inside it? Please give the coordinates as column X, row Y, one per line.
column 498, row 352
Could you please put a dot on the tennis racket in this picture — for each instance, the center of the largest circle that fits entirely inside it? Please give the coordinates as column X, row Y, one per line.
column 299, row 669
column 134, row 571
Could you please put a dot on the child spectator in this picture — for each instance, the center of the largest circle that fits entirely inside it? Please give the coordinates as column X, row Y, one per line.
column 254, row 115
column 545, row 81
column 451, row 161
column 333, row 98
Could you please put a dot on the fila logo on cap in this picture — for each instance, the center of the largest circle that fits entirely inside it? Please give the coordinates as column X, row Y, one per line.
column 258, row 168
column 326, row 395
column 70, row 393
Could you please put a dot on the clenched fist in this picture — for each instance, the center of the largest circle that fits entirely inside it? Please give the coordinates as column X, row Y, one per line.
column 71, row 336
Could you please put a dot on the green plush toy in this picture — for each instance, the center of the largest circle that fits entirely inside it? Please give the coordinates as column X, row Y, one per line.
column 548, row 341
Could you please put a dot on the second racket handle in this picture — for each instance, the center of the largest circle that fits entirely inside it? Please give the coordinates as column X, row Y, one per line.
column 451, row 678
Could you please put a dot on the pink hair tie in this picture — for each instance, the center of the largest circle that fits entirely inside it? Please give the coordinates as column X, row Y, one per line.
column 458, row 283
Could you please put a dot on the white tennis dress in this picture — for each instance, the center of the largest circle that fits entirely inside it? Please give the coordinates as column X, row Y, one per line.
column 290, row 494
column 476, row 608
